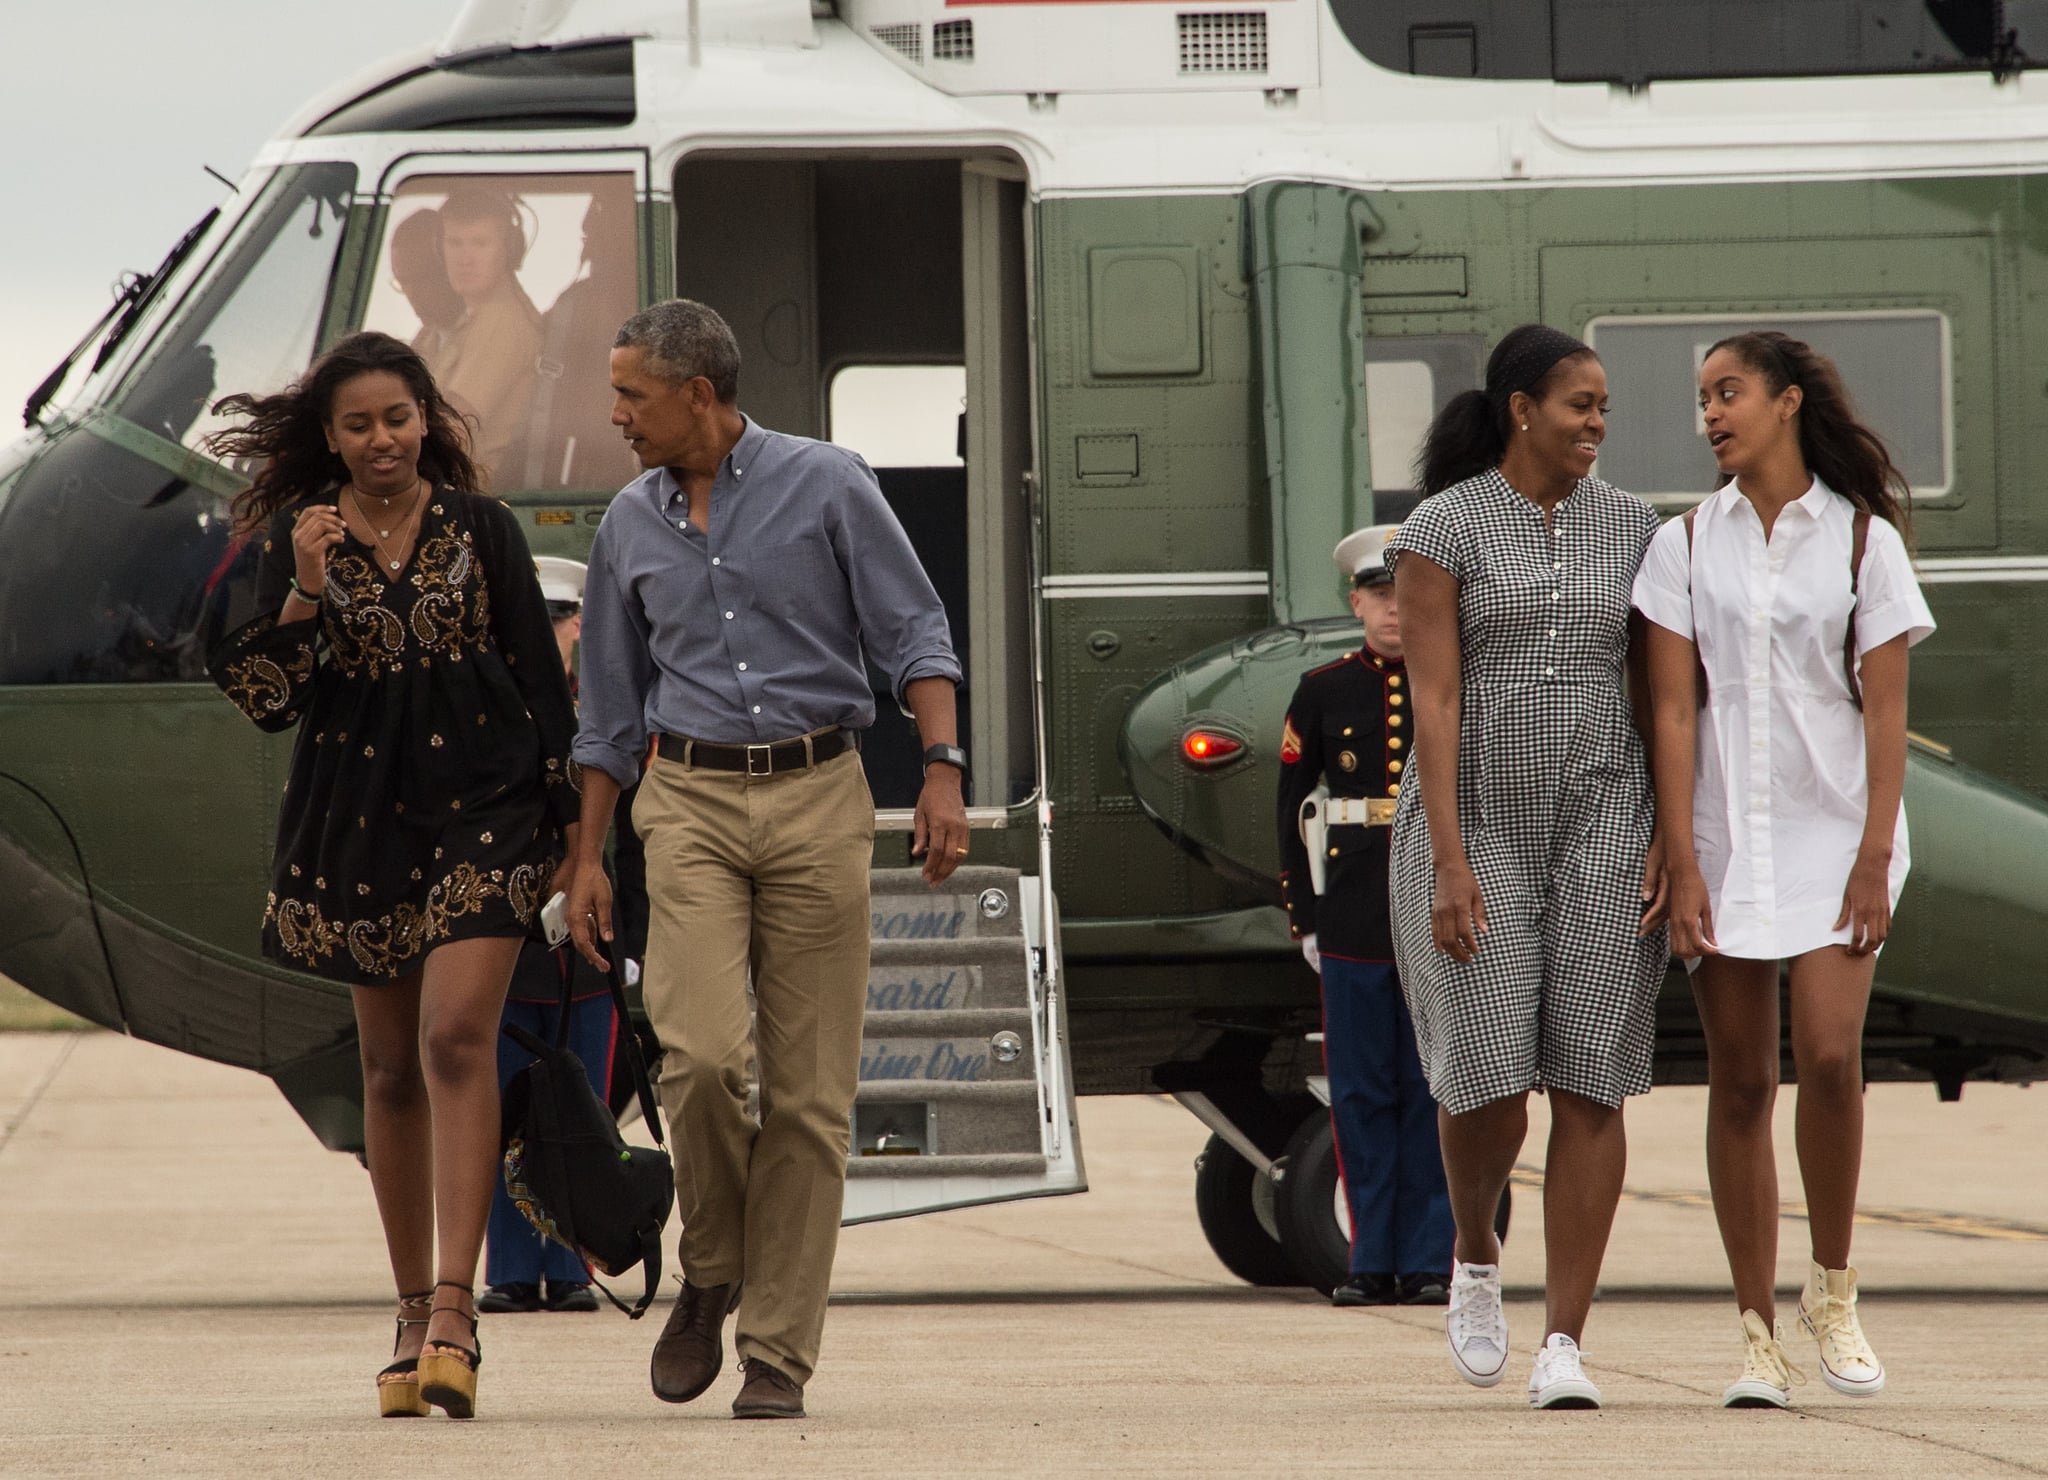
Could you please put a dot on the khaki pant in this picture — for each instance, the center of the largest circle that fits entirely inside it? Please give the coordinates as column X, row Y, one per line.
column 770, row 871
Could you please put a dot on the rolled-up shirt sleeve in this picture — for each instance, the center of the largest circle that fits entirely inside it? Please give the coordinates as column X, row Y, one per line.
column 615, row 672
column 903, row 626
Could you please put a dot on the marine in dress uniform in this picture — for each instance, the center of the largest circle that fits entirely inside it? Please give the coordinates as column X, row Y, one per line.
column 1348, row 732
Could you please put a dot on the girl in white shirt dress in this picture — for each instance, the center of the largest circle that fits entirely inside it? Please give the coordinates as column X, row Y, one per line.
column 1778, row 669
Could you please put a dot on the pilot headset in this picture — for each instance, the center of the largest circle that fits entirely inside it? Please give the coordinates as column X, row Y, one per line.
column 482, row 203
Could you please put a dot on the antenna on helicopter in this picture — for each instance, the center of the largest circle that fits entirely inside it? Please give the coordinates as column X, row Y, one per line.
column 220, row 177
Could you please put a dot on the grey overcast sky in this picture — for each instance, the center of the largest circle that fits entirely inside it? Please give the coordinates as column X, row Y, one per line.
column 108, row 109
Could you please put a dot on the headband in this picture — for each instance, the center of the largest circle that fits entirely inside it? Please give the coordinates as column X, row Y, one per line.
column 1521, row 360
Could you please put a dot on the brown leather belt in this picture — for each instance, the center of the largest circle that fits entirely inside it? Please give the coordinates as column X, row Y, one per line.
column 758, row 760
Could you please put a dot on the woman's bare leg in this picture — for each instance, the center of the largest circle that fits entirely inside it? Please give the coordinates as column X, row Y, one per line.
column 398, row 1135
column 1830, row 996
column 462, row 1000
column 1479, row 1149
column 1738, row 1006
column 1582, row 1175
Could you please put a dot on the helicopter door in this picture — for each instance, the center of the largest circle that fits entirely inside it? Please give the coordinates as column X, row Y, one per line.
column 882, row 303
column 510, row 275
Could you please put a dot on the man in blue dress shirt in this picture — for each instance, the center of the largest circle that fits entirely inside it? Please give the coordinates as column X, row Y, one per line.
column 734, row 590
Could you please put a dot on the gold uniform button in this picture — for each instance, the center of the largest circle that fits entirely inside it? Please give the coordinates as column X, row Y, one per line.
column 1347, row 729
column 1393, row 680
column 1333, row 852
column 1395, row 700
column 1393, row 788
column 1393, row 742
column 1394, row 721
column 1393, row 768
column 1346, row 761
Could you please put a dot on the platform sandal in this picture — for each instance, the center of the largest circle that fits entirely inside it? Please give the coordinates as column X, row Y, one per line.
column 447, row 1371
column 398, row 1386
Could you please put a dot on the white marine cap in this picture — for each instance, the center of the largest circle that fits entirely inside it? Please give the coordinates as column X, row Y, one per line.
column 560, row 580
column 1362, row 554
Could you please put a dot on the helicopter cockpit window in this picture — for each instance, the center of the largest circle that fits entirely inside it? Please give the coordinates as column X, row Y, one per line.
column 122, row 565
column 253, row 326
column 511, row 287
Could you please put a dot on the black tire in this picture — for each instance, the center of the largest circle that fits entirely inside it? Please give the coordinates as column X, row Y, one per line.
column 1306, row 1207
column 1225, row 1186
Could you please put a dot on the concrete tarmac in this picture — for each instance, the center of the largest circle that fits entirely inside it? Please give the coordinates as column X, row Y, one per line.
column 189, row 1285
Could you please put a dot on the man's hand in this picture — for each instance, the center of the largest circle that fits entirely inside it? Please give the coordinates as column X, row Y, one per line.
column 589, row 907
column 939, row 831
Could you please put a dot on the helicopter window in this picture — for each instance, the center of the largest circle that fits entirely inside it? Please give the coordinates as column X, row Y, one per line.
column 1408, row 379
column 1634, row 42
column 899, row 416
column 254, row 324
column 118, row 569
column 511, row 287
column 1896, row 364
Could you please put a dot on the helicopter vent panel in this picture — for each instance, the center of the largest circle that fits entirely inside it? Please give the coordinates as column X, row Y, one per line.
column 907, row 39
column 953, row 41
column 1214, row 41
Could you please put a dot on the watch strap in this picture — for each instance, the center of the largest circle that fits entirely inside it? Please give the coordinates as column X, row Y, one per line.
column 948, row 755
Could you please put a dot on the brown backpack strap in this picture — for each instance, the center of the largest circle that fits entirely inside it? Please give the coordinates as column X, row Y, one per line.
column 1699, row 663
column 1858, row 539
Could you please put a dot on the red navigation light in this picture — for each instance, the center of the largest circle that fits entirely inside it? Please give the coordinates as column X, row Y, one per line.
column 1209, row 747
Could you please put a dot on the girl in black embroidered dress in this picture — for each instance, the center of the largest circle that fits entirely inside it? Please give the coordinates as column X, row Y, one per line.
column 401, row 629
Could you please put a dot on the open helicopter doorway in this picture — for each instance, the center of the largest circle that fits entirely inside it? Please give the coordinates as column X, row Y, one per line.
column 881, row 302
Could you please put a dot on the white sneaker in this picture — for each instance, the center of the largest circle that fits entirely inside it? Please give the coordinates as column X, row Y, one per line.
column 1827, row 1310
column 1476, row 1324
column 1556, row 1380
column 1767, row 1377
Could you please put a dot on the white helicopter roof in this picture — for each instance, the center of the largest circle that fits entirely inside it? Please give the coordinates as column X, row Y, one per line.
column 1136, row 96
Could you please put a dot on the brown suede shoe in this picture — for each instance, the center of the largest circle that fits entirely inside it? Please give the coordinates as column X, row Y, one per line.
column 768, row 1392
column 691, row 1347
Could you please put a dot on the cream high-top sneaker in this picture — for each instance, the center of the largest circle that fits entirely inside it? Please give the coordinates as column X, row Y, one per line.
column 1827, row 1311
column 1767, row 1376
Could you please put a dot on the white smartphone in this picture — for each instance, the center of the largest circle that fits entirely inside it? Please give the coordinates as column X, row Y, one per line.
column 554, row 919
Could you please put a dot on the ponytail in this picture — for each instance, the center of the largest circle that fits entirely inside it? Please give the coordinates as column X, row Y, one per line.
column 1470, row 435
column 1837, row 447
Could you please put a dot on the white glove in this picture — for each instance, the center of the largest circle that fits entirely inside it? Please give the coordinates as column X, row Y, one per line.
column 1310, row 954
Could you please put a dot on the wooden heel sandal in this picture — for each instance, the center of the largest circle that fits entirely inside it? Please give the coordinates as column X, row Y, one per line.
column 398, row 1386
column 447, row 1371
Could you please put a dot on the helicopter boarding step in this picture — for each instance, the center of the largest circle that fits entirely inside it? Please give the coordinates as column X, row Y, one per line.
column 964, row 1095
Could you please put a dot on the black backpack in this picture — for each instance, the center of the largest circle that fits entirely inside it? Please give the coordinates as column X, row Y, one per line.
column 569, row 1170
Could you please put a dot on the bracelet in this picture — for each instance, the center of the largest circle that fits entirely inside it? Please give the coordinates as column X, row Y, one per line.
column 311, row 598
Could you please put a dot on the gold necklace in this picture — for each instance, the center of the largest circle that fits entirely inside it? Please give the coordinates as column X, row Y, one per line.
column 379, row 536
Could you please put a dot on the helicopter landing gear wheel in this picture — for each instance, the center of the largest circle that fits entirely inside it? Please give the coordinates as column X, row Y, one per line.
column 1236, row 1207
column 1313, row 1217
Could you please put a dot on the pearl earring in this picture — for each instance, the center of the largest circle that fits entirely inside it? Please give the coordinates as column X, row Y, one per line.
column 1525, row 426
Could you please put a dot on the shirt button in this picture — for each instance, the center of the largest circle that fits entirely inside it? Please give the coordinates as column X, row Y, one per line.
column 714, row 560
column 683, row 524
column 1553, row 632
column 743, row 668
column 728, row 616
column 1550, row 673
column 757, row 709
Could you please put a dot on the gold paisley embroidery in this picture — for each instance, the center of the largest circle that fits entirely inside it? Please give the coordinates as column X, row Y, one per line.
column 385, row 946
column 527, row 887
column 366, row 636
column 261, row 686
column 452, row 610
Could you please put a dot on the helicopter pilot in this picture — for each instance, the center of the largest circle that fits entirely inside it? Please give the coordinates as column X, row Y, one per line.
column 1342, row 753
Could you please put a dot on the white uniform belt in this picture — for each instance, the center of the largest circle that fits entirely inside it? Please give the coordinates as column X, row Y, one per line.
column 1359, row 811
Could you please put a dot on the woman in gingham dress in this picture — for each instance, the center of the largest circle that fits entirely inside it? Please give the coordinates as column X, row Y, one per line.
column 1528, row 885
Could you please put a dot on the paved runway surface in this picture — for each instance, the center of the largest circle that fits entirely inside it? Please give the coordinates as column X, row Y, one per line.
column 189, row 1285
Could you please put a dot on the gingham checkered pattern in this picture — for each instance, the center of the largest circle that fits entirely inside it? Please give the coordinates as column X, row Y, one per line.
column 1553, row 797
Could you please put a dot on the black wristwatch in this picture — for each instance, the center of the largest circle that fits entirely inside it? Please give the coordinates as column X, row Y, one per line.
column 947, row 755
